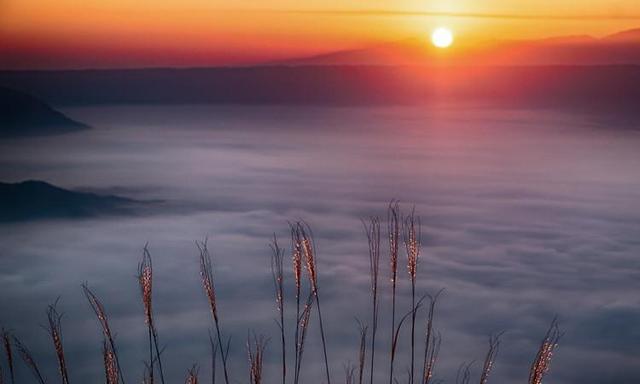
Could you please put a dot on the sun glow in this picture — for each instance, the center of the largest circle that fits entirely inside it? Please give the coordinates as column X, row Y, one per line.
column 442, row 37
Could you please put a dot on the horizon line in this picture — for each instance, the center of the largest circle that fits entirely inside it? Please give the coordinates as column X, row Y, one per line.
column 286, row 65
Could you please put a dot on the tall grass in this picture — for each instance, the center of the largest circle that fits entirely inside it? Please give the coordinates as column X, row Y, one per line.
column 145, row 280
column 55, row 331
column 111, row 371
column 28, row 359
column 214, row 351
column 304, row 238
column 303, row 325
column 6, row 343
column 432, row 342
column 277, row 272
column 256, row 347
column 373, row 238
column 542, row 362
column 412, row 241
column 393, row 232
column 464, row 373
column 349, row 373
column 362, row 351
column 192, row 375
column 206, row 274
column 296, row 261
column 494, row 346
column 112, row 365
column 396, row 332
column 303, row 256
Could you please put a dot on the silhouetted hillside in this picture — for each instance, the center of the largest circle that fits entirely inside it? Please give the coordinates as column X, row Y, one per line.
column 38, row 200
column 24, row 115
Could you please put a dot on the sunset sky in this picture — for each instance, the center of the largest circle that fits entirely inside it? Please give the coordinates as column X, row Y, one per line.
column 130, row 33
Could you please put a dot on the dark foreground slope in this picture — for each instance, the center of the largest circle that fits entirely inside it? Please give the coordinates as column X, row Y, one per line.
column 24, row 115
column 31, row 200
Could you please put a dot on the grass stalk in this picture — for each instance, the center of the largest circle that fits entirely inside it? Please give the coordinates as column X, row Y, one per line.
column 304, row 237
column 192, row 375
column 372, row 231
column 542, row 362
column 6, row 342
column 146, row 375
column 145, row 280
column 111, row 370
column 296, row 259
column 362, row 330
column 256, row 346
column 324, row 342
column 28, row 359
column 206, row 273
column 393, row 232
column 412, row 241
column 303, row 322
column 277, row 272
column 349, row 373
column 463, row 376
column 431, row 343
column 396, row 333
column 489, row 360
column 103, row 319
column 55, row 331
column 214, row 351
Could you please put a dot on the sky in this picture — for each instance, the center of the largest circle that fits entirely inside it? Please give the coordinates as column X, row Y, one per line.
column 131, row 33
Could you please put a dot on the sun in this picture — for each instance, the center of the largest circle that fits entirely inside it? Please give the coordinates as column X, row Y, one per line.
column 442, row 37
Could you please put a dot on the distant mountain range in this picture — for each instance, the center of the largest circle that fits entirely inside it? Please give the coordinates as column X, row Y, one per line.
column 24, row 115
column 611, row 89
column 32, row 199
column 619, row 48
column 577, row 72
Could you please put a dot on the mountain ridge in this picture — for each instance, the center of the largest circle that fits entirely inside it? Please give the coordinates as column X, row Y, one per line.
column 618, row 48
column 23, row 115
column 36, row 199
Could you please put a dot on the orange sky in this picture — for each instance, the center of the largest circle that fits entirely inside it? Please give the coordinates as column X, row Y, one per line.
column 133, row 33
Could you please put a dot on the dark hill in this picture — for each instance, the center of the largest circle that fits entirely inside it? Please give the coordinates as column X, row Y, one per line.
column 24, row 115
column 32, row 199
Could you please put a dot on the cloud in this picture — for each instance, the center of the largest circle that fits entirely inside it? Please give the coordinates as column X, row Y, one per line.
column 521, row 222
column 466, row 15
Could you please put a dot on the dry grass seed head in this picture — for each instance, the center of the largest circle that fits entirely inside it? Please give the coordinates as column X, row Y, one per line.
column 206, row 274
column 413, row 242
column 145, row 279
column 55, row 331
column 256, row 346
column 393, row 231
column 110, row 364
column 542, row 362
column 296, row 257
column 28, row 359
column 489, row 361
column 192, row 375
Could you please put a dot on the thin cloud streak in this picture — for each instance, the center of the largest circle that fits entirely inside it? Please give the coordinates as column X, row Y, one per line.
column 471, row 15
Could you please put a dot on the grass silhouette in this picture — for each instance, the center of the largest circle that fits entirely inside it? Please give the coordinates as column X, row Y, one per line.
column 303, row 257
